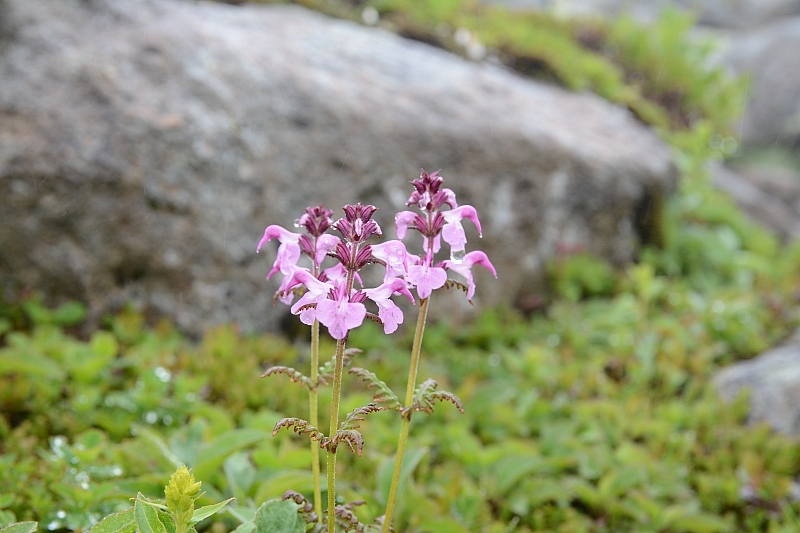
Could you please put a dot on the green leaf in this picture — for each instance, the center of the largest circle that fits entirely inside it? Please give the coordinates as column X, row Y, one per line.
column 240, row 474
column 6, row 500
column 69, row 314
column 21, row 527
column 412, row 458
column 216, row 451
column 442, row 525
column 700, row 523
column 29, row 364
column 204, row 512
column 122, row 522
column 511, row 469
column 279, row 482
column 159, row 443
column 245, row 527
column 278, row 516
column 104, row 345
column 146, row 516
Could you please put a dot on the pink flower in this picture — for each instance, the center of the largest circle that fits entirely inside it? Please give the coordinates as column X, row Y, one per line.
column 463, row 269
column 339, row 314
column 394, row 256
column 388, row 312
column 325, row 244
column 426, row 278
column 402, row 221
column 452, row 232
column 288, row 251
column 316, row 291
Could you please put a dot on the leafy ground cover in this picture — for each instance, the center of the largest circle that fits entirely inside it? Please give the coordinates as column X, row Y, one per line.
column 595, row 415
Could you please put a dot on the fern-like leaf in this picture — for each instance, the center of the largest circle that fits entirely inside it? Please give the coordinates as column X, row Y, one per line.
column 306, row 510
column 356, row 416
column 295, row 376
column 347, row 430
column 297, row 291
column 426, row 394
column 353, row 438
column 450, row 284
column 383, row 394
column 299, row 426
column 347, row 519
column 327, row 369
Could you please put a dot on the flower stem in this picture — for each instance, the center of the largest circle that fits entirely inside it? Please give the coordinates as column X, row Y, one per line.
column 404, row 427
column 313, row 409
column 335, row 396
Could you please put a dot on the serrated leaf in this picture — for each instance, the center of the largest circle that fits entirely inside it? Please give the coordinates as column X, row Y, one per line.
column 208, row 510
column 146, row 517
column 21, row 527
column 294, row 375
column 122, row 522
column 383, row 394
column 278, row 516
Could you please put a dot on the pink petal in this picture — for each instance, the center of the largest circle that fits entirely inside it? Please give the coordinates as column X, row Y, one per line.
column 325, row 243
column 277, row 232
column 463, row 268
column 464, row 211
column 390, row 315
column 453, row 234
column 340, row 316
column 427, row 279
column 402, row 220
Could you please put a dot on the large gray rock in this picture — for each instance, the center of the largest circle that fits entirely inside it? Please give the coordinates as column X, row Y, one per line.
column 770, row 195
column 145, row 145
column 773, row 380
column 769, row 58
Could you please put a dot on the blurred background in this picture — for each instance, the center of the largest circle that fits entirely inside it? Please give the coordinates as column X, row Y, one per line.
column 636, row 170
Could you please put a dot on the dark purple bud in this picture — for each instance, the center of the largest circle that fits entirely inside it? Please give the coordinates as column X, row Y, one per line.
column 306, row 245
column 435, row 182
column 436, row 225
column 363, row 257
column 421, row 224
column 358, row 297
column 344, row 227
column 316, row 220
column 343, row 254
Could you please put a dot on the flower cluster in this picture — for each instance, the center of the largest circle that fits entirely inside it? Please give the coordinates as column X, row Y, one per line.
column 330, row 295
column 436, row 225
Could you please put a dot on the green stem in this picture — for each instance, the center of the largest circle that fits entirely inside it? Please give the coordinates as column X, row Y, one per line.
column 313, row 409
column 335, row 395
column 404, row 427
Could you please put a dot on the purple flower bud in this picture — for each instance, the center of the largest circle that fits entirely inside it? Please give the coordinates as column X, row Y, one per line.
column 316, row 220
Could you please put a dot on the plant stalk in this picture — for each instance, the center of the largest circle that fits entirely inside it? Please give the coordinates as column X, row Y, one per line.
column 335, row 396
column 406, row 423
column 313, row 408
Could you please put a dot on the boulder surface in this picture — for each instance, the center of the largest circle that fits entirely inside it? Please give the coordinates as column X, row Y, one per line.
column 145, row 145
column 773, row 381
